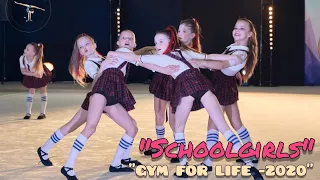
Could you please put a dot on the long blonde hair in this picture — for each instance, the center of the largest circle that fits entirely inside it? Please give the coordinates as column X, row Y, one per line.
column 253, row 51
column 76, row 64
column 38, row 57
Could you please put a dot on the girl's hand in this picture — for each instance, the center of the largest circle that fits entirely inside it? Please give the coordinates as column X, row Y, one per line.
column 111, row 54
column 36, row 75
column 107, row 62
column 110, row 61
column 129, row 57
column 171, row 69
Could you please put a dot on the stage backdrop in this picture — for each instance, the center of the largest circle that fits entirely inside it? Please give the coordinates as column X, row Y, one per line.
column 312, row 42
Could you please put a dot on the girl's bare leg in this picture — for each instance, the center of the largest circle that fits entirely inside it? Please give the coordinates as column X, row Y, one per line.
column 44, row 100
column 97, row 104
column 160, row 111
column 29, row 103
column 182, row 114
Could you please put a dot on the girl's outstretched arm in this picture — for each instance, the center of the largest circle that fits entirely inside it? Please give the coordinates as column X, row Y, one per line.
column 213, row 64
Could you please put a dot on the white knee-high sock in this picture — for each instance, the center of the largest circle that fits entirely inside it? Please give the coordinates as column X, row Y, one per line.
column 44, row 99
column 75, row 150
column 160, row 130
column 29, row 103
column 212, row 139
column 126, row 154
column 244, row 135
column 124, row 144
column 231, row 137
column 179, row 138
column 55, row 138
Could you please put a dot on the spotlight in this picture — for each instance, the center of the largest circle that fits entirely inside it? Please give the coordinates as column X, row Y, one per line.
column 49, row 65
column 243, row 72
column 270, row 8
column 118, row 9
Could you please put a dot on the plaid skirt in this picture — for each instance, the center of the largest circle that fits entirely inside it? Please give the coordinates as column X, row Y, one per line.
column 34, row 82
column 226, row 88
column 85, row 103
column 162, row 86
column 187, row 83
column 111, row 84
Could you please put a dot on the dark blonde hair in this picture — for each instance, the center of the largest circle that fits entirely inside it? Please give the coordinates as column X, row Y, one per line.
column 252, row 58
column 76, row 65
column 193, row 24
column 38, row 65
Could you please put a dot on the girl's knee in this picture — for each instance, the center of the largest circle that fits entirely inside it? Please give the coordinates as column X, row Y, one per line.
column 32, row 91
column 90, row 128
column 66, row 129
column 132, row 131
column 43, row 89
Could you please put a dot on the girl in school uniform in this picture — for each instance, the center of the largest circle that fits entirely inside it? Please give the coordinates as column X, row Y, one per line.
column 36, row 76
column 191, row 86
column 85, row 61
column 111, row 95
column 225, row 83
column 162, row 85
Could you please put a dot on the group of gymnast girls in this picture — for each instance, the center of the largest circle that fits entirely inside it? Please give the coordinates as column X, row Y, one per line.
column 177, row 84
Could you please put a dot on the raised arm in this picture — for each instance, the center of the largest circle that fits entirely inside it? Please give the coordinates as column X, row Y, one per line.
column 21, row 4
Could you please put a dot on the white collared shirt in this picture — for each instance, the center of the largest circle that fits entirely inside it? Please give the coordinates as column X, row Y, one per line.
column 238, row 50
column 91, row 68
column 25, row 64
